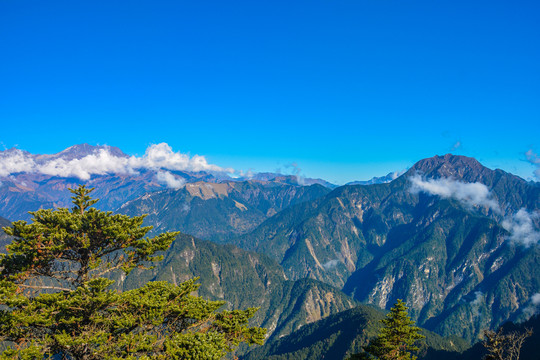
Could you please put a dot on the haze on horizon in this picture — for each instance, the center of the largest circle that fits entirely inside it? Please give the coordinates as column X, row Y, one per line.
column 345, row 90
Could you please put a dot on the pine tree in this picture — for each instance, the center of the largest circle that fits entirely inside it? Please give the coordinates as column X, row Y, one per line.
column 396, row 339
column 55, row 300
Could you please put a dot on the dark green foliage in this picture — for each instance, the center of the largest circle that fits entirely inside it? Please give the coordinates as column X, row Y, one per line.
column 159, row 320
column 72, row 247
column 397, row 339
column 330, row 338
column 338, row 335
column 66, row 253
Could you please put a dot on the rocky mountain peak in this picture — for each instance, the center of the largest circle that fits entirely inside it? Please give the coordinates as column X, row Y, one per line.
column 79, row 151
column 457, row 167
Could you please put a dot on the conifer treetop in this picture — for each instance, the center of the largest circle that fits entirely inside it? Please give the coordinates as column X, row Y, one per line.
column 75, row 314
column 73, row 246
column 397, row 338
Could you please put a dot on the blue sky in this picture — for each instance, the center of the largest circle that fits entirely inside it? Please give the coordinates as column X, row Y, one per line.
column 346, row 89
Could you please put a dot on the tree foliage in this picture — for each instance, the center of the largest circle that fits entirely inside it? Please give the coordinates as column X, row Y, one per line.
column 56, row 301
column 396, row 339
column 501, row 346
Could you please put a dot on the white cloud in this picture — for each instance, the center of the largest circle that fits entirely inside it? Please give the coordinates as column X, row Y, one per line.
column 520, row 225
column 470, row 194
column 15, row 161
column 170, row 180
column 456, row 146
column 521, row 228
column 99, row 163
column 297, row 172
column 330, row 264
column 157, row 157
column 534, row 159
column 394, row 175
column 161, row 156
column 532, row 308
column 478, row 300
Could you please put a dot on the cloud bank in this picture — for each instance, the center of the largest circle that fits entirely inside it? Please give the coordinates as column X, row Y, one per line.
column 100, row 163
column 520, row 225
column 469, row 194
column 15, row 161
column 158, row 157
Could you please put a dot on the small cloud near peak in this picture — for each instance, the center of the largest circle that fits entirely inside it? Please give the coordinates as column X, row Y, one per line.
column 534, row 160
column 456, row 146
column 469, row 194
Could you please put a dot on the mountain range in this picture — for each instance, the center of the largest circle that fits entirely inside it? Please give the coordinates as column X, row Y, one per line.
column 455, row 240
column 29, row 182
column 450, row 259
column 219, row 211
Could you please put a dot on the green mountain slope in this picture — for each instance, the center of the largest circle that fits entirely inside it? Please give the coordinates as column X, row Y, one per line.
column 245, row 279
column 219, row 211
column 338, row 336
column 451, row 261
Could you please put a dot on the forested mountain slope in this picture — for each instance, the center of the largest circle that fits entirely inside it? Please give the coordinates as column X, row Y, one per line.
column 338, row 336
column 245, row 279
column 452, row 255
column 455, row 240
column 219, row 211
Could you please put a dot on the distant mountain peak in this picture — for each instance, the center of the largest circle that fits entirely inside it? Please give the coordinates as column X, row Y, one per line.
column 448, row 159
column 79, row 151
column 290, row 179
column 13, row 150
column 378, row 179
column 451, row 166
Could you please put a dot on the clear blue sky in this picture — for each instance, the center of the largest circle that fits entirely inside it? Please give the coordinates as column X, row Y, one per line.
column 346, row 89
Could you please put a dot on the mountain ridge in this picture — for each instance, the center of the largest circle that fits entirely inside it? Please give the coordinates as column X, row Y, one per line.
column 383, row 230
